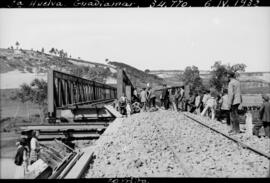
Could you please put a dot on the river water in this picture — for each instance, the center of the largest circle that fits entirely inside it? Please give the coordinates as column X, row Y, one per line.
column 7, row 168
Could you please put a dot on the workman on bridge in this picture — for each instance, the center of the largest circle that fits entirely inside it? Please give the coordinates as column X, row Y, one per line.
column 123, row 105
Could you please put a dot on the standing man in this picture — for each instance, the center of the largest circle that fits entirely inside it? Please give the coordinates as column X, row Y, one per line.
column 264, row 118
column 181, row 97
column 135, row 95
column 177, row 96
column 225, row 109
column 234, row 95
column 165, row 97
column 206, row 96
column 143, row 99
column 191, row 102
column 172, row 96
column 151, row 97
column 198, row 103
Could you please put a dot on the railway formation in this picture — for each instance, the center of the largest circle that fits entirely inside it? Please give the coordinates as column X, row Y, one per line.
column 170, row 144
column 153, row 144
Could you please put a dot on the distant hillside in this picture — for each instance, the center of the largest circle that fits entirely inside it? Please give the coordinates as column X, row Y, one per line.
column 139, row 78
column 251, row 82
column 29, row 60
column 29, row 64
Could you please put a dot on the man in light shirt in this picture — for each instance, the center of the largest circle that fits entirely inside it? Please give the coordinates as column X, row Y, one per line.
column 224, row 102
column 206, row 96
column 198, row 103
column 143, row 99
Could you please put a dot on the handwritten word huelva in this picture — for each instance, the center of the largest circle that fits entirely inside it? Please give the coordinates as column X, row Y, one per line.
column 44, row 3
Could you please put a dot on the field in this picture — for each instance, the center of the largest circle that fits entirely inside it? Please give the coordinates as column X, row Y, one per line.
column 15, row 109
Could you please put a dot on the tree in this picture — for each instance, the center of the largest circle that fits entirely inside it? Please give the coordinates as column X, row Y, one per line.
column 61, row 53
column 56, row 51
column 42, row 50
column 36, row 93
column 191, row 76
column 146, row 71
column 92, row 73
column 52, row 51
column 17, row 45
column 219, row 79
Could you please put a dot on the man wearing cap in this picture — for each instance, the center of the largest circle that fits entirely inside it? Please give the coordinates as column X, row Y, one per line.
column 264, row 115
column 235, row 99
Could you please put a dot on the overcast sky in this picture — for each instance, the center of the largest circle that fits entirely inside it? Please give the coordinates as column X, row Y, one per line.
column 147, row 38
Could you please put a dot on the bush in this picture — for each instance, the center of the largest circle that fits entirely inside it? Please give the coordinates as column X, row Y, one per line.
column 29, row 69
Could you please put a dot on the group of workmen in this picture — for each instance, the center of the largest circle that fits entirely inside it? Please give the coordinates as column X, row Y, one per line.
column 221, row 106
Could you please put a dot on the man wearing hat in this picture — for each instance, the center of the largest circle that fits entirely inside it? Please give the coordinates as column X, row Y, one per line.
column 264, row 115
column 235, row 99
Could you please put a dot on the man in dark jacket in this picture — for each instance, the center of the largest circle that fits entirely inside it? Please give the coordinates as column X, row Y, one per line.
column 264, row 115
column 234, row 95
column 165, row 97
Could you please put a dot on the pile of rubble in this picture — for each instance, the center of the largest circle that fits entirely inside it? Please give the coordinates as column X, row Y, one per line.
column 168, row 144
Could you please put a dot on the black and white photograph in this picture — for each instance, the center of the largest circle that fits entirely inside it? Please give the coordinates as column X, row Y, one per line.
column 134, row 92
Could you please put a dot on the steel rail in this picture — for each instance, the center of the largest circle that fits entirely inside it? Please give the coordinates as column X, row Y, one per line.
column 92, row 103
column 231, row 138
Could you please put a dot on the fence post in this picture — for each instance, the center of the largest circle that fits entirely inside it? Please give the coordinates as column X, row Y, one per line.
column 249, row 126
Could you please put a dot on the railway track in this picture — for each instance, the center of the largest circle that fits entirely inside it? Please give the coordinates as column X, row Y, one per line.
column 237, row 141
column 201, row 151
column 176, row 135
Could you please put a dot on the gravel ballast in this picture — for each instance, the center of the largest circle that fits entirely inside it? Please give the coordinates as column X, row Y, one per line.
column 168, row 144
